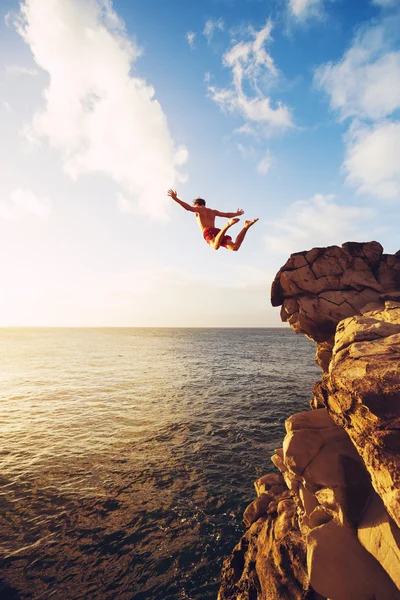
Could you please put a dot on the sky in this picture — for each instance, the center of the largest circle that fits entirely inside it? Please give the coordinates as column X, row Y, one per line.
column 289, row 109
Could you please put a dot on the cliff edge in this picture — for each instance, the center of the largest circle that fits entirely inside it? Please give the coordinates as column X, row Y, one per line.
column 328, row 526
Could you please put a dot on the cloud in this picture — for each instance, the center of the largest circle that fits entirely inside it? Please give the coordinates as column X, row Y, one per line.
column 125, row 205
column 22, row 203
column 249, row 278
column 190, row 36
column 211, row 26
column 150, row 280
column 386, row 3
column 373, row 160
column 317, row 222
column 365, row 86
column 305, row 9
column 245, row 151
column 252, row 67
column 101, row 118
column 21, row 70
column 265, row 163
column 366, row 82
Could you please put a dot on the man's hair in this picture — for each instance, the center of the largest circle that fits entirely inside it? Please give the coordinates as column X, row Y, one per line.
column 199, row 202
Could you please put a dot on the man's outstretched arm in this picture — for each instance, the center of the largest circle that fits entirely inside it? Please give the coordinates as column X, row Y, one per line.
column 239, row 212
column 184, row 205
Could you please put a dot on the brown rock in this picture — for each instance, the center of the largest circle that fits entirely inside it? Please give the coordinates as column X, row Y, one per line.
column 323, row 354
column 337, row 526
column 319, row 393
column 381, row 537
column 257, row 509
column 335, row 283
column 272, row 483
column 319, row 458
column 363, row 395
column 269, row 563
column 340, row 568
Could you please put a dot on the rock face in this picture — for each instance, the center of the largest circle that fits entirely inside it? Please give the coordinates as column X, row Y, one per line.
column 362, row 394
column 270, row 559
column 334, row 531
column 319, row 288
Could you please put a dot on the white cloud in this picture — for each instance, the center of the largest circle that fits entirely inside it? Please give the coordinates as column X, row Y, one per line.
column 150, row 280
column 252, row 66
column 245, row 151
column 386, row 3
column 211, row 26
column 249, row 278
column 265, row 163
column 24, row 202
column 190, row 36
column 317, row 222
column 21, row 70
column 246, row 129
column 365, row 86
column 305, row 9
column 100, row 117
column 125, row 205
column 373, row 160
column 366, row 82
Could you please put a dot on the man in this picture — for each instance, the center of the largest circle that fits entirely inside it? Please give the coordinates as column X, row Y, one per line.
column 206, row 219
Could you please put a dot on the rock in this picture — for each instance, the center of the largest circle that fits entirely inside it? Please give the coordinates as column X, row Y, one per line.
column 348, row 300
column 363, row 395
column 323, row 354
column 257, row 509
column 273, row 483
column 320, row 459
column 316, row 419
column 334, row 533
column 341, row 569
column 378, row 533
column 270, row 560
column 319, row 288
column 239, row 579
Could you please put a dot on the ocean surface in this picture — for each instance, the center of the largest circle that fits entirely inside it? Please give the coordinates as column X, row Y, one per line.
column 128, row 455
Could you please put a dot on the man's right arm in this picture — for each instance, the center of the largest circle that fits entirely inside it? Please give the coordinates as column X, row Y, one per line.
column 184, row 205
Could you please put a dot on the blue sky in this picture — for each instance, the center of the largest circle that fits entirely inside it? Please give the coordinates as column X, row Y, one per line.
column 288, row 109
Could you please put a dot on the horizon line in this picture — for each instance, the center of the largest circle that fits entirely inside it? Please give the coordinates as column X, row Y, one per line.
column 143, row 326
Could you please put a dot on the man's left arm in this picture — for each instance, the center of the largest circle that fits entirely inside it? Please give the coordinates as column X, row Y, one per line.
column 239, row 212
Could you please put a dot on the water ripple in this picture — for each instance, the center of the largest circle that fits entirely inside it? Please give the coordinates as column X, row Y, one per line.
column 129, row 455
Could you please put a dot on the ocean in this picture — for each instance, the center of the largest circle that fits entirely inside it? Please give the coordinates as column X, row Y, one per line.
column 128, row 455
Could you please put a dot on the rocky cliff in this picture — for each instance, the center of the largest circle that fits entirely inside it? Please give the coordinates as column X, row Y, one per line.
column 328, row 526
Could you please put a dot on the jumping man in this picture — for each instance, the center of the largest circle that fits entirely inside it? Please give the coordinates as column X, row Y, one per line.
column 206, row 219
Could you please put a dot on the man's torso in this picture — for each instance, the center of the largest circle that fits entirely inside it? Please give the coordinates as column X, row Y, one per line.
column 205, row 218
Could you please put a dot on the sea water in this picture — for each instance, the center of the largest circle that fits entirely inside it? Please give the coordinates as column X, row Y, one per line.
column 128, row 455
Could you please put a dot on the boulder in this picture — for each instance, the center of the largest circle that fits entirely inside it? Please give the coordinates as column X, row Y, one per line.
column 319, row 288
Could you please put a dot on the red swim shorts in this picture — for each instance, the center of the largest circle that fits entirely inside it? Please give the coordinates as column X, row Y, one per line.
column 210, row 233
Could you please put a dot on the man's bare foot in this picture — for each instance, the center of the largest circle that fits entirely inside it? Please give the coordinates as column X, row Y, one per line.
column 233, row 221
column 250, row 223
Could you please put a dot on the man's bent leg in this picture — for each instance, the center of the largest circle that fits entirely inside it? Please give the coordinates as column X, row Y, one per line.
column 241, row 235
column 216, row 243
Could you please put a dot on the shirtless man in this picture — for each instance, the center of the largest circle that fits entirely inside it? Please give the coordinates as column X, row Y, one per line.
column 206, row 219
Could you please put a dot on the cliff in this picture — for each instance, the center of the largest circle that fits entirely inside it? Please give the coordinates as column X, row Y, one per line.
column 328, row 526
